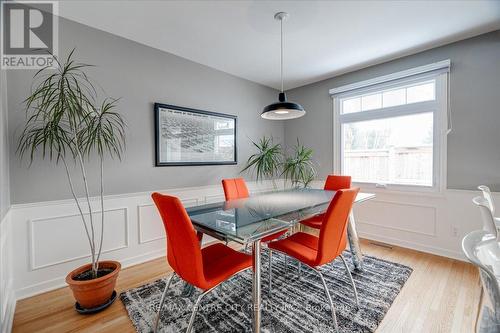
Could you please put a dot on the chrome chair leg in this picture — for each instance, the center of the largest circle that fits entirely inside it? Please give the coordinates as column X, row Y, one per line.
column 246, row 248
column 195, row 310
column 327, row 292
column 270, row 271
column 163, row 297
column 352, row 280
column 206, row 292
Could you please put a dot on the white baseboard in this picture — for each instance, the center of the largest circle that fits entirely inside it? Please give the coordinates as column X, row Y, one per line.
column 50, row 240
column 60, row 282
column 142, row 258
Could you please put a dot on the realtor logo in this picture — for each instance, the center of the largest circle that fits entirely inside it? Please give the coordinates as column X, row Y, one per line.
column 29, row 34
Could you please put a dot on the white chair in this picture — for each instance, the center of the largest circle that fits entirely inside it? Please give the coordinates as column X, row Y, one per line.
column 487, row 195
column 483, row 251
column 487, row 216
column 491, row 205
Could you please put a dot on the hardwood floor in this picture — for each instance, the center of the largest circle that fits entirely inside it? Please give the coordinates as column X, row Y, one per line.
column 440, row 296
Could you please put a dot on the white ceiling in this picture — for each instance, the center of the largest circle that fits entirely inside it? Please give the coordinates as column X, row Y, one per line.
column 322, row 38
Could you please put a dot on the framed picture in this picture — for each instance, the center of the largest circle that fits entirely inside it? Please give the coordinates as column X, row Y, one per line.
column 186, row 136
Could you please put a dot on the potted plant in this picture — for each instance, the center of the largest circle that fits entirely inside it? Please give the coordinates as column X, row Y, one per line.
column 67, row 125
column 299, row 166
column 267, row 161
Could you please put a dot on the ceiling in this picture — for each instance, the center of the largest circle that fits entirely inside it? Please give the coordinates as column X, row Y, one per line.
column 322, row 38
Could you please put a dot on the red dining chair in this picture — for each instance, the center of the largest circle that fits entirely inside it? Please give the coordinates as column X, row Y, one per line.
column 316, row 251
column 332, row 183
column 236, row 188
column 204, row 268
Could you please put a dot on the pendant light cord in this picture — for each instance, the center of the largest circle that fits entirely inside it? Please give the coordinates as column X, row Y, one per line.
column 281, row 21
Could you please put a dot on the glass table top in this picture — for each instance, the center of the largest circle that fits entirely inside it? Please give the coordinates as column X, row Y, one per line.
column 249, row 219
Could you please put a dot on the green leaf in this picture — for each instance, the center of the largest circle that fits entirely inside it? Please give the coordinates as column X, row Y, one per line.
column 62, row 116
column 299, row 167
column 266, row 162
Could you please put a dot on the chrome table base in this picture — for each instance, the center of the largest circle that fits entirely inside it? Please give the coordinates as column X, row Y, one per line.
column 357, row 258
column 256, row 292
column 352, row 235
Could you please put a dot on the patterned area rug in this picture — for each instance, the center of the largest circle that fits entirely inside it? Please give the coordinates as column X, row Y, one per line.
column 296, row 305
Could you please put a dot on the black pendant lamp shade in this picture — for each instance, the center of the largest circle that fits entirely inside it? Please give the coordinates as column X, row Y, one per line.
column 283, row 110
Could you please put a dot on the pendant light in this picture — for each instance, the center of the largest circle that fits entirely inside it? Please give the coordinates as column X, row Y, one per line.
column 283, row 109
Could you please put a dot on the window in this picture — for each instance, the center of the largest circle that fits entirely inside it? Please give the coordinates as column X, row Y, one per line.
column 421, row 92
column 391, row 134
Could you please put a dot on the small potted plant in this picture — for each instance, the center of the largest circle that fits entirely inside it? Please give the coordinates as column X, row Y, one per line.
column 67, row 125
column 266, row 162
column 298, row 167
column 270, row 161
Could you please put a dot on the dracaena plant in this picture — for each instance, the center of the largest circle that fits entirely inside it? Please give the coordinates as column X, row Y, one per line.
column 266, row 162
column 299, row 167
column 66, row 124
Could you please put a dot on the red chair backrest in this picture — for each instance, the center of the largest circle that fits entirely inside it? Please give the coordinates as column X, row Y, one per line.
column 183, row 247
column 336, row 182
column 333, row 232
column 235, row 188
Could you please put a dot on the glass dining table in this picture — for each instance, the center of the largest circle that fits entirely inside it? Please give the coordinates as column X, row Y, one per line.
column 249, row 220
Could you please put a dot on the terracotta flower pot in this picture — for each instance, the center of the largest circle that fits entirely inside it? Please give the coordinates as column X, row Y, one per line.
column 92, row 293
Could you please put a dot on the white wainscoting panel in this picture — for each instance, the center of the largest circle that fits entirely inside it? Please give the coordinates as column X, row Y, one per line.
column 405, row 217
column 50, row 237
column 149, row 223
column 433, row 223
column 47, row 245
column 214, row 198
column 46, row 248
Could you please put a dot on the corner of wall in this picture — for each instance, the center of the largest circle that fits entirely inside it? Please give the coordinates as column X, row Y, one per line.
column 7, row 295
column 4, row 147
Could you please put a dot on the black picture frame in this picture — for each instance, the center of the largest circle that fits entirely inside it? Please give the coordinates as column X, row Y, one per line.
column 160, row 163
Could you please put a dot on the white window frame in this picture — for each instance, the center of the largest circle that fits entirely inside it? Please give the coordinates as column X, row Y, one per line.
column 439, row 107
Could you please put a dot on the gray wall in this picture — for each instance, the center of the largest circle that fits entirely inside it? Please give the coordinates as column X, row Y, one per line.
column 140, row 75
column 473, row 146
column 4, row 148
